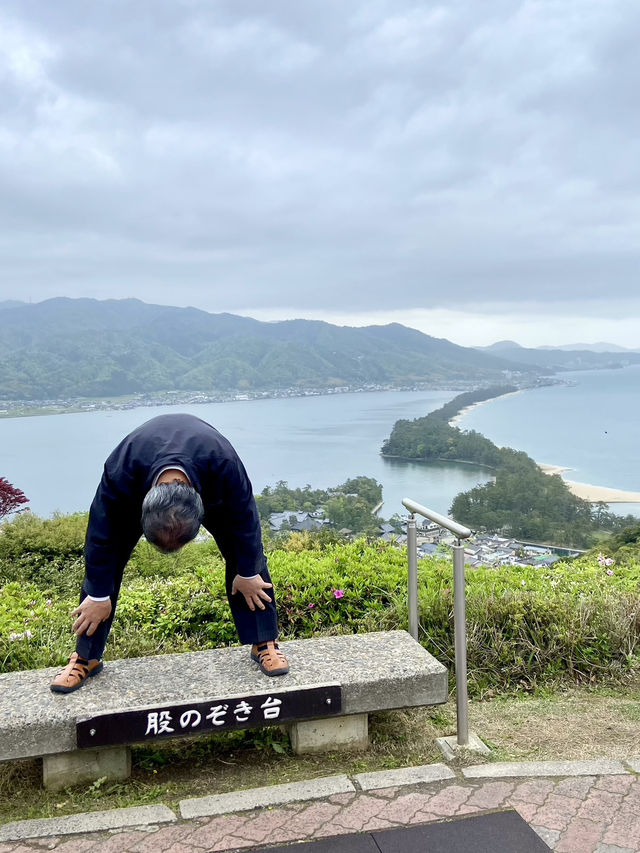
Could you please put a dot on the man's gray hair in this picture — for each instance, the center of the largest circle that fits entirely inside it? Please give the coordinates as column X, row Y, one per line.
column 171, row 515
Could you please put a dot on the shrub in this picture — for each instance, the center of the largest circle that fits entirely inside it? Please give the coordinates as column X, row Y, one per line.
column 30, row 624
column 60, row 536
column 525, row 625
column 46, row 551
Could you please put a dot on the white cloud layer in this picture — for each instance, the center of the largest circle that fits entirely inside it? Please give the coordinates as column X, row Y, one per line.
column 350, row 159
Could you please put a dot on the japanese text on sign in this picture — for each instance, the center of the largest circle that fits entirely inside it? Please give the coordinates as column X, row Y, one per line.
column 162, row 722
column 214, row 714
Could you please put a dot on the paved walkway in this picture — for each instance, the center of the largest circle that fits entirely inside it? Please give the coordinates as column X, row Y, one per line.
column 575, row 807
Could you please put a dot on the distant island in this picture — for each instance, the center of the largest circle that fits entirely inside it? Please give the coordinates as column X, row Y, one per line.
column 432, row 437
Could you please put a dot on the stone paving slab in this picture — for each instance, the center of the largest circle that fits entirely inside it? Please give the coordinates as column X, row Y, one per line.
column 403, row 776
column 361, row 843
column 89, row 822
column 506, row 769
column 272, row 795
column 571, row 813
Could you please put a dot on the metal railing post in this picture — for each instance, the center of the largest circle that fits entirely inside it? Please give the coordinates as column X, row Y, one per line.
column 459, row 608
column 412, row 548
column 460, row 640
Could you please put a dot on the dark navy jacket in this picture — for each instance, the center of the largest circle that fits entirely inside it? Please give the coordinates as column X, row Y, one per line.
column 215, row 471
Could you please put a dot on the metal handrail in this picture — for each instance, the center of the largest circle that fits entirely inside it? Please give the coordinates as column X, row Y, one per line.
column 460, row 530
column 459, row 614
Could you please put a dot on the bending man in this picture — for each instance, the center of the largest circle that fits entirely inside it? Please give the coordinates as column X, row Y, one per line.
column 165, row 479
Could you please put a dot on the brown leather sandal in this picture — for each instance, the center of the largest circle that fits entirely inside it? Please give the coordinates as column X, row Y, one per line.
column 269, row 658
column 75, row 674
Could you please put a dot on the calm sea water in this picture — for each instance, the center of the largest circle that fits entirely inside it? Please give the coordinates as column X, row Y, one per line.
column 591, row 426
column 57, row 460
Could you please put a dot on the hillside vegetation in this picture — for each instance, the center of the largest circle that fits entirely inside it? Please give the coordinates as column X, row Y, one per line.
column 87, row 348
column 577, row 620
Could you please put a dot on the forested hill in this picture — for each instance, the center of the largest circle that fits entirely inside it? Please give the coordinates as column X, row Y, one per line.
column 432, row 437
column 89, row 348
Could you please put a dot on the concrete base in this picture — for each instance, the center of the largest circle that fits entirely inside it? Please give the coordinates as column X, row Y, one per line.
column 344, row 733
column 86, row 765
column 451, row 749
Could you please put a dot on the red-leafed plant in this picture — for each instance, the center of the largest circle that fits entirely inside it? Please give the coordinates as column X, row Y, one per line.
column 11, row 498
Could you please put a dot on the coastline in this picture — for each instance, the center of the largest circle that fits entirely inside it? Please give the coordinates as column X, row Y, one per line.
column 87, row 405
column 589, row 492
column 455, row 420
column 586, row 491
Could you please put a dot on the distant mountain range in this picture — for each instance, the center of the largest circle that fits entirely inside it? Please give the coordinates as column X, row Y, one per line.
column 568, row 357
column 600, row 346
column 64, row 348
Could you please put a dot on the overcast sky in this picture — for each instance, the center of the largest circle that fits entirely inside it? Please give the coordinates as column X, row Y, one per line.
column 471, row 169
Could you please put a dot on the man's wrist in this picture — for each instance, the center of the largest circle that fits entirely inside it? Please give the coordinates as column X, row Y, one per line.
column 98, row 598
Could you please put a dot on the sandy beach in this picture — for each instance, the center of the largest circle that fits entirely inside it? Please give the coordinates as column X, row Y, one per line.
column 586, row 491
column 455, row 420
column 593, row 494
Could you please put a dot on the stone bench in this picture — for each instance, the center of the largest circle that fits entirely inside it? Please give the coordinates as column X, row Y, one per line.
column 171, row 695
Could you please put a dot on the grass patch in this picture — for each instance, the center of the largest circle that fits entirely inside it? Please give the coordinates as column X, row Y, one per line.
column 175, row 770
column 572, row 725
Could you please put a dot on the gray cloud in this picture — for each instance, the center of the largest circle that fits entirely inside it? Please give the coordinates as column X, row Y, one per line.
column 237, row 155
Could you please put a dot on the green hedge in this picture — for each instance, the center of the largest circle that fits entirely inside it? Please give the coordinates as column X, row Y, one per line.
column 525, row 625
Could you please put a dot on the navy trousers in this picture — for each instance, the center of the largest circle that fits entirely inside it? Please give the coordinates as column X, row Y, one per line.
column 253, row 626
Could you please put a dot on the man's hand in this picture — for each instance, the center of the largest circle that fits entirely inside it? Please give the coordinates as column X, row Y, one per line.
column 253, row 590
column 90, row 614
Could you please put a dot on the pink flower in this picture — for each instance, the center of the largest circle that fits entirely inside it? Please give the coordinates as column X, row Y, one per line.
column 338, row 593
column 310, row 605
column 609, row 571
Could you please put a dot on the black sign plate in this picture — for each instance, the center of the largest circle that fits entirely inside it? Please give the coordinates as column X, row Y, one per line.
column 214, row 715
